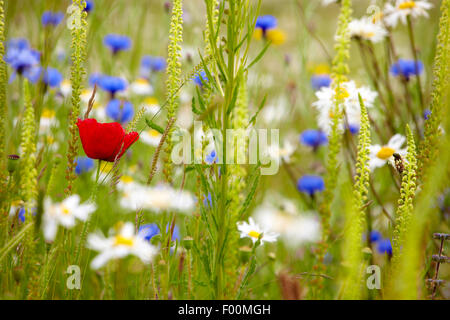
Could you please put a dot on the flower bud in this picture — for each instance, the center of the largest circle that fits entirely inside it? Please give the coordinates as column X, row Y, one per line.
column 12, row 162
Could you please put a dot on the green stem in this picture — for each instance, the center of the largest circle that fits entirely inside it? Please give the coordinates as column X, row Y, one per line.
column 416, row 61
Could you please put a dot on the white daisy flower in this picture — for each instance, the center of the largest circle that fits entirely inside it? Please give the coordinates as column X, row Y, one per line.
column 326, row 104
column 141, row 87
column 164, row 198
column 366, row 29
column 127, row 183
column 86, row 94
column 64, row 213
column 295, row 229
column 328, row 2
column 380, row 155
column 403, row 8
column 123, row 243
column 66, row 88
column 253, row 231
column 48, row 121
column 151, row 137
column 151, row 105
column 157, row 199
column 105, row 173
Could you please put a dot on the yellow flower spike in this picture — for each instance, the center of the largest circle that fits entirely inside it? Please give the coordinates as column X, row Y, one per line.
column 341, row 94
column 277, row 36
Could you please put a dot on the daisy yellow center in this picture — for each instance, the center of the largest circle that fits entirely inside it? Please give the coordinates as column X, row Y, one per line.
column 47, row 113
column 65, row 210
column 254, row 234
column 126, row 179
column 142, row 81
column 407, row 5
column 385, row 153
column 151, row 101
column 107, row 167
column 369, row 34
column 123, row 241
column 153, row 133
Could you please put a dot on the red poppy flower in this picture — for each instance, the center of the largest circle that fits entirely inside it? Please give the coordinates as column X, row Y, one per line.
column 104, row 141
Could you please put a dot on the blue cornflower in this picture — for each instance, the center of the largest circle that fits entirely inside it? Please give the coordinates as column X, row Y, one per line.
column 111, row 84
column 117, row 42
column 310, row 184
column 148, row 231
column 20, row 56
column 52, row 77
column 119, row 110
column 52, row 18
column 353, row 128
column 384, row 246
column 407, row 68
column 211, row 158
column 320, row 80
column 150, row 63
column 427, row 114
column 89, row 6
column 21, row 215
column 313, row 138
column 84, row 164
column 266, row 22
column 375, row 235
column 94, row 79
column 201, row 78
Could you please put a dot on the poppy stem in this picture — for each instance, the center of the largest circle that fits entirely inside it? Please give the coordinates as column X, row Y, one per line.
column 98, row 171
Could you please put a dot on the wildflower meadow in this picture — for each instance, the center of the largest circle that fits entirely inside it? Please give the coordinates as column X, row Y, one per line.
column 224, row 150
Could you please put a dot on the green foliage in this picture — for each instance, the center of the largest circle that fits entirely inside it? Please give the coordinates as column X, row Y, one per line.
column 428, row 147
column 173, row 76
column 77, row 73
column 356, row 215
column 339, row 72
column 407, row 195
